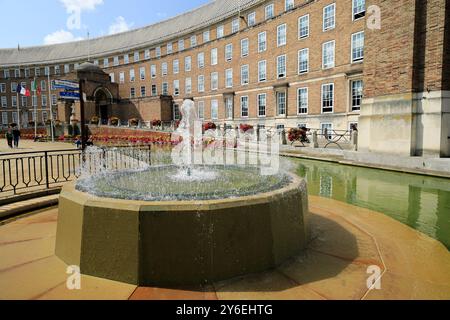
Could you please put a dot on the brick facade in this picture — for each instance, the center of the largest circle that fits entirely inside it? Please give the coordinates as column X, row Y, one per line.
column 409, row 54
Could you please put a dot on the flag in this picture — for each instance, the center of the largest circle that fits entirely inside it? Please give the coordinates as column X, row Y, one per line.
column 34, row 86
column 27, row 93
column 19, row 88
column 23, row 91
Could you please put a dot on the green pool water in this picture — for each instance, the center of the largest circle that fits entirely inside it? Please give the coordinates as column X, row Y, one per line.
column 420, row 202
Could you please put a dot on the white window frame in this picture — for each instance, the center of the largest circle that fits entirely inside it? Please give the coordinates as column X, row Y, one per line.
column 245, row 69
column 266, row 11
column 282, row 38
column 245, row 47
column 277, row 97
column 235, row 25
column 180, row 45
column 201, row 110
column 261, row 42
column 220, row 32
column 300, row 70
column 176, row 87
column 229, row 108
column 142, row 73
column 324, row 54
column 352, row 57
column 352, row 107
column 193, row 41
column 279, row 76
column 165, row 88
column 201, row 60
column 260, row 63
column 333, row 26
column 229, row 52
column 299, row 105
column 206, row 36
column 258, row 106
column 187, row 63
column 214, row 81
column 214, row 56
column 251, row 19
column 201, row 83
column 214, row 109
column 242, row 106
column 300, row 29
column 229, row 78
column 164, row 69
column 322, row 98
column 289, row 5
column 355, row 13
column 176, row 66
column 188, row 85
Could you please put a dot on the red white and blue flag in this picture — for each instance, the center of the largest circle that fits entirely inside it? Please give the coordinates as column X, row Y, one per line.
column 23, row 91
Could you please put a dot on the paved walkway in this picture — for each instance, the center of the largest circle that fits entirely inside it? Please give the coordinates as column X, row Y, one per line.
column 346, row 241
column 30, row 146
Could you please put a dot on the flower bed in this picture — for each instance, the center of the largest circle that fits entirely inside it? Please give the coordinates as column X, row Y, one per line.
column 246, row 127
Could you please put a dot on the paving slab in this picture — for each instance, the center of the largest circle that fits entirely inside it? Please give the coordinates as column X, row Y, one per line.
column 346, row 241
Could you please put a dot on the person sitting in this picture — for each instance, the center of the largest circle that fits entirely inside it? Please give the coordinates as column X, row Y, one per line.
column 78, row 143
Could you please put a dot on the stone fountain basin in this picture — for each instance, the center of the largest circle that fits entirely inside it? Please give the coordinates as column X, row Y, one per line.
column 171, row 243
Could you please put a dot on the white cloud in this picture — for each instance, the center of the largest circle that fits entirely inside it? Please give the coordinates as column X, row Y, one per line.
column 60, row 36
column 80, row 5
column 120, row 25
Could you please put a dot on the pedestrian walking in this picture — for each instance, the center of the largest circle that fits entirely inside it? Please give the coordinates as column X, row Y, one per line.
column 16, row 137
column 9, row 137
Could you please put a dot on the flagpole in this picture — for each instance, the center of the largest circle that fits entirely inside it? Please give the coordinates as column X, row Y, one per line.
column 35, row 107
column 51, row 109
column 18, row 110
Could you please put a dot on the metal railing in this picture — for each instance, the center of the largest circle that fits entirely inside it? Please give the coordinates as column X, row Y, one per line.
column 34, row 171
column 29, row 172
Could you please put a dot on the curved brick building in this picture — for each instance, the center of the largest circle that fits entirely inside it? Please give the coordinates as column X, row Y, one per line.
column 279, row 63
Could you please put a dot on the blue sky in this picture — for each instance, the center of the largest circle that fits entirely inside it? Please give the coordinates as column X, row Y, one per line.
column 31, row 22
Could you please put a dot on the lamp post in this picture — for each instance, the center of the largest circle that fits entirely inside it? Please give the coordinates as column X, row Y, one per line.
column 82, row 116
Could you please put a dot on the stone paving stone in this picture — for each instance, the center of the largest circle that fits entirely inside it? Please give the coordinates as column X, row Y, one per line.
column 266, row 286
column 328, row 276
column 19, row 253
column 149, row 293
column 31, row 280
column 91, row 289
column 396, row 287
column 346, row 240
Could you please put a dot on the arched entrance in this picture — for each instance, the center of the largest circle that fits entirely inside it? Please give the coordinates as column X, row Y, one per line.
column 103, row 101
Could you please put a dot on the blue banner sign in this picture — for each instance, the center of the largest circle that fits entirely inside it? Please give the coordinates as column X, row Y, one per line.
column 70, row 95
column 67, row 85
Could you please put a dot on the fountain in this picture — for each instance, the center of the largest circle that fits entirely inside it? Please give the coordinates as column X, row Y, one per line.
column 182, row 222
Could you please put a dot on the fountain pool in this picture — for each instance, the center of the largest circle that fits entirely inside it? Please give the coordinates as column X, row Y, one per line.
column 177, row 225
